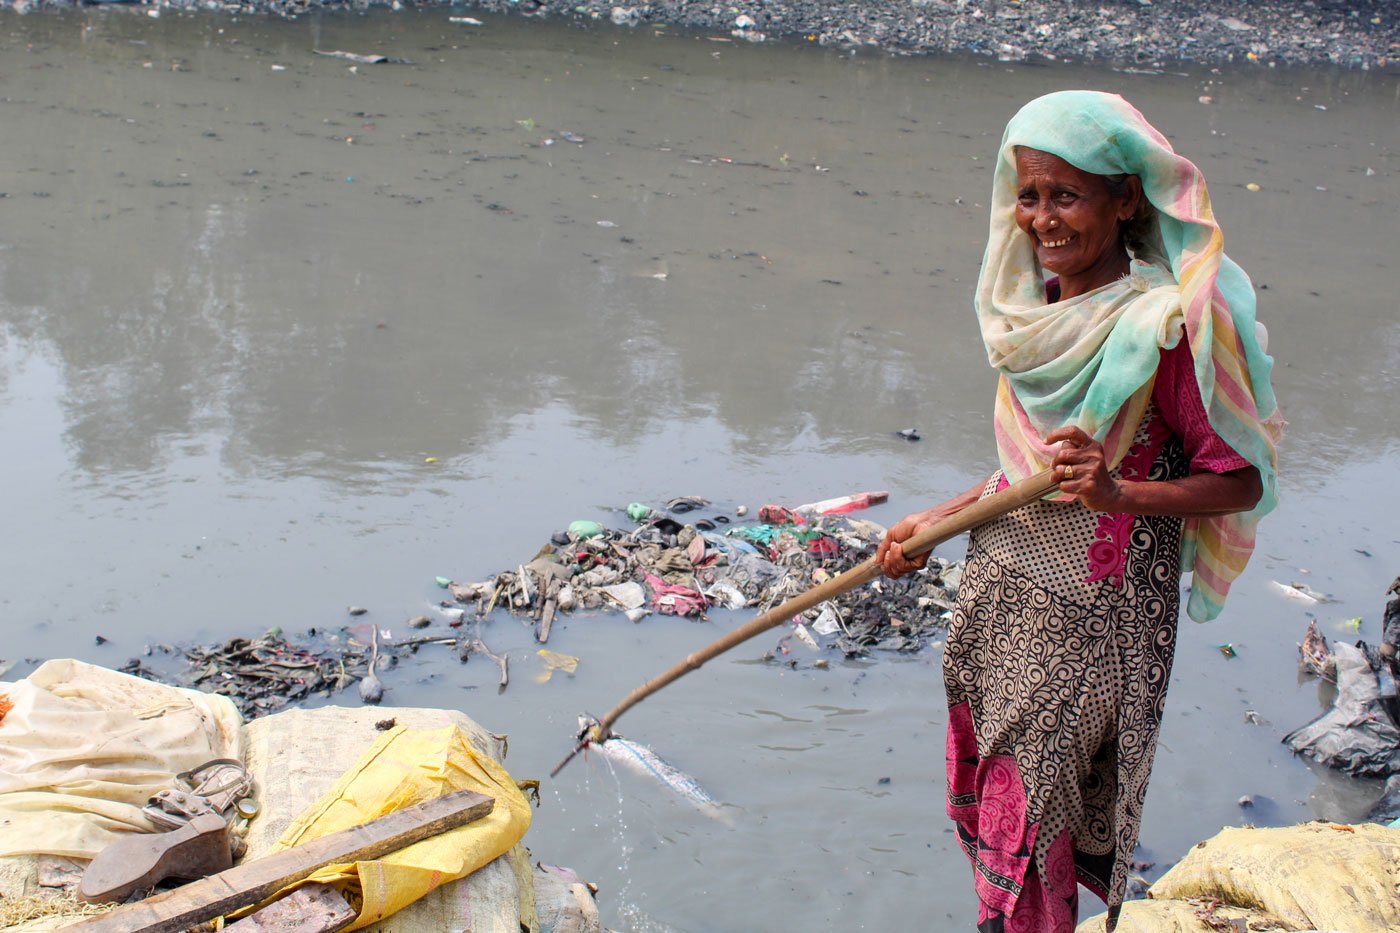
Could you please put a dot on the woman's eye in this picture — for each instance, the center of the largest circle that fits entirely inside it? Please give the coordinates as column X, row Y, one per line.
column 1064, row 197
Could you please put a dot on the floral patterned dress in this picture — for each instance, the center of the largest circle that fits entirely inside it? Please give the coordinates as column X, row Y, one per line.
column 1056, row 672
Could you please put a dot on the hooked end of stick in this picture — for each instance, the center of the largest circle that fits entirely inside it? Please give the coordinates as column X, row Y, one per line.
column 591, row 733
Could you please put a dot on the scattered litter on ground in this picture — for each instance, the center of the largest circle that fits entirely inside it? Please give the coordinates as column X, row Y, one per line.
column 363, row 59
column 554, row 661
column 1300, row 592
column 20, row 908
column 371, row 687
column 842, row 505
column 1314, row 657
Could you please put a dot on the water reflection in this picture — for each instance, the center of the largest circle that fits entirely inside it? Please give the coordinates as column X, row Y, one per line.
column 353, row 269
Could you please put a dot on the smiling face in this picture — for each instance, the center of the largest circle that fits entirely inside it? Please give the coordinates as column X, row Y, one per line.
column 1074, row 220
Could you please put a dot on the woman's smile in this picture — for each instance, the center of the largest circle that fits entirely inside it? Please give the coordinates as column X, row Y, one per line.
column 1074, row 220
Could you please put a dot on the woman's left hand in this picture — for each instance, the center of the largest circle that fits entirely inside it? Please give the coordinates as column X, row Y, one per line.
column 1082, row 470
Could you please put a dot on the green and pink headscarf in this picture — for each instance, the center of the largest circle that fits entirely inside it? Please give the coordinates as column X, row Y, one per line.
column 1091, row 360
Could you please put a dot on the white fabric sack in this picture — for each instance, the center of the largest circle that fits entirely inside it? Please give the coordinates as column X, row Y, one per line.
column 84, row 748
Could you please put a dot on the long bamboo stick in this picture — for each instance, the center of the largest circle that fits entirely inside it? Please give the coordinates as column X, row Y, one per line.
column 981, row 511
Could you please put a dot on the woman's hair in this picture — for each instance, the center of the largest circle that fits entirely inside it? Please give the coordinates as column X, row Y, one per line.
column 1139, row 232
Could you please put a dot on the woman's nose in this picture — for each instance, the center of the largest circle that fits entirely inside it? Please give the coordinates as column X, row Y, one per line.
column 1045, row 217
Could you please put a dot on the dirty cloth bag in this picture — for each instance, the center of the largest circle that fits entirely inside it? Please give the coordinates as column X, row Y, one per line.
column 405, row 767
column 84, row 748
column 1357, row 735
column 1187, row 916
column 1315, row 876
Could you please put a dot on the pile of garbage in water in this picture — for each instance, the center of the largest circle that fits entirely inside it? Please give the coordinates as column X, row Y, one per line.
column 684, row 559
column 688, row 558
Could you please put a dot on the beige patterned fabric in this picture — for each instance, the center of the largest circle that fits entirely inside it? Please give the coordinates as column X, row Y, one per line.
column 1062, row 658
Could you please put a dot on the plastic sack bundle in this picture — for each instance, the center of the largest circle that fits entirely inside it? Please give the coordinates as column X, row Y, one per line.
column 1357, row 735
column 1316, row 876
column 298, row 757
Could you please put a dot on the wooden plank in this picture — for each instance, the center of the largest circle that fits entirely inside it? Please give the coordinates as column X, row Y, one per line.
column 177, row 910
column 313, row 908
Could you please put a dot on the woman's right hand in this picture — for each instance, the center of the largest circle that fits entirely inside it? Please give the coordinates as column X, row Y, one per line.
column 891, row 555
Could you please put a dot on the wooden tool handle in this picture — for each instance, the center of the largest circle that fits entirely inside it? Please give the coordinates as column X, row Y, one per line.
column 173, row 911
column 983, row 510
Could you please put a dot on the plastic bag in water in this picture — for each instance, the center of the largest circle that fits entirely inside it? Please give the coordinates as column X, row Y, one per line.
column 1358, row 734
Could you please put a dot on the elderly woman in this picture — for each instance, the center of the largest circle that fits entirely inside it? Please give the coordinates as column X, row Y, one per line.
column 1130, row 362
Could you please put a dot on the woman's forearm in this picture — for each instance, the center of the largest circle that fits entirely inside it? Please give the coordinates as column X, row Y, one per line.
column 1201, row 495
column 1081, row 468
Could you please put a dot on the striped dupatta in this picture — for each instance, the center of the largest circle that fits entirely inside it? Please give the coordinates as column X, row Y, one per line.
column 1090, row 360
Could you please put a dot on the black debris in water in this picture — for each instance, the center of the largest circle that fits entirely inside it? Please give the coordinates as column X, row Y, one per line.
column 267, row 673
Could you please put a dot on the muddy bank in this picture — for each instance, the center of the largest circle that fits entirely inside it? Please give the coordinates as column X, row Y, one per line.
column 1137, row 32
column 1140, row 33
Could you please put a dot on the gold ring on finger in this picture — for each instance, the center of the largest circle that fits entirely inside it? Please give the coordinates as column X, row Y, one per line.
column 1069, row 471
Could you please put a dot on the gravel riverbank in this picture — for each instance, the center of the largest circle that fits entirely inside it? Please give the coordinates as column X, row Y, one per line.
column 1361, row 34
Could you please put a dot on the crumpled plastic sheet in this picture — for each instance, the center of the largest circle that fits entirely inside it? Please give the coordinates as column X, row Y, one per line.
column 1357, row 735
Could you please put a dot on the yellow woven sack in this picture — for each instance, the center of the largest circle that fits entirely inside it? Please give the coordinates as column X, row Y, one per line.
column 1315, row 876
column 402, row 768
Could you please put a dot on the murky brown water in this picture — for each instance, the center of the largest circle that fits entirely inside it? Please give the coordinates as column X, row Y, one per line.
column 247, row 291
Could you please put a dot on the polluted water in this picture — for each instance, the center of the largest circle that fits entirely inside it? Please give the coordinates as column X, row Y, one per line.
column 282, row 333
column 608, row 826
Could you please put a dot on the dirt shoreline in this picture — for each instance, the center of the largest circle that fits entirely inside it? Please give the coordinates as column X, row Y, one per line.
column 1138, row 33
